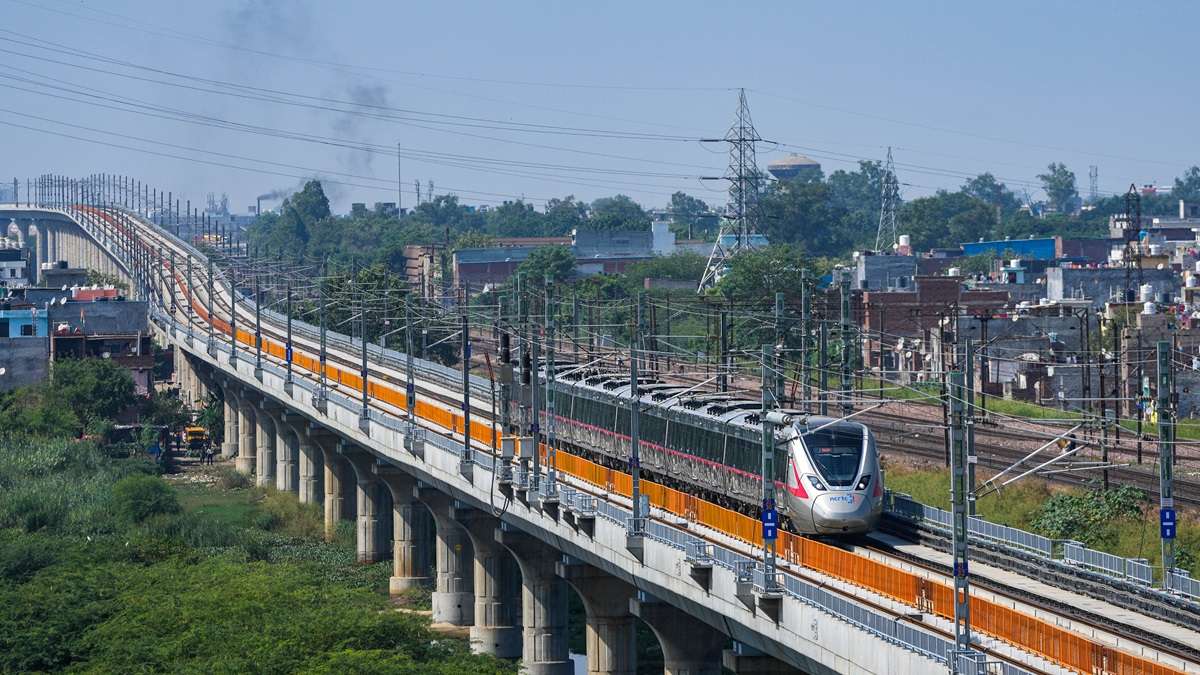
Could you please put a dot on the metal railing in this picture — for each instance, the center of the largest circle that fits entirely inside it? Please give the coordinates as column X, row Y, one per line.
column 1076, row 554
column 890, row 629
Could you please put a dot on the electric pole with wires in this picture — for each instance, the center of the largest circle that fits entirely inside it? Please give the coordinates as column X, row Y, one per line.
column 886, row 235
column 740, row 222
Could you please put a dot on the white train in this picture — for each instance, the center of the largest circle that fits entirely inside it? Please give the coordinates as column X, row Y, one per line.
column 827, row 471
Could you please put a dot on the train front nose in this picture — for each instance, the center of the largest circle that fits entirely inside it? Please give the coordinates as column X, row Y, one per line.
column 845, row 512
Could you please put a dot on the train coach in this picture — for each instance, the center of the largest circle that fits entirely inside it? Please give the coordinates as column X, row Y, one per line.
column 709, row 444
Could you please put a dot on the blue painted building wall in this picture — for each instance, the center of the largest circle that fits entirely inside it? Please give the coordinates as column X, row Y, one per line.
column 19, row 319
column 1032, row 249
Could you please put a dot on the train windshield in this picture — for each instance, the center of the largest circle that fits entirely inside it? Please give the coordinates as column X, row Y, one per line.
column 836, row 451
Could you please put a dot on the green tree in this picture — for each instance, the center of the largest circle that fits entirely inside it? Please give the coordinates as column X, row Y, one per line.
column 793, row 211
column 95, row 390
column 618, row 213
column 1187, row 186
column 677, row 266
column 987, row 189
column 556, row 261
column 444, row 212
column 690, row 216
column 947, row 219
column 515, row 219
column 854, row 198
column 565, row 215
column 1059, row 185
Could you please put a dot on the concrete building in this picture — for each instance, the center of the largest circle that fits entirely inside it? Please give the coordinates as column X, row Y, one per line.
column 883, row 271
column 23, row 321
column 1042, row 248
column 58, row 275
column 1101, row 284
column 14, row 268
column 596, row 252
column 24, row 361
column 40, row 325
column 902, row 326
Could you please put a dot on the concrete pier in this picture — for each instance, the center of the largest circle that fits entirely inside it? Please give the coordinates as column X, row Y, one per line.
column 543, row 605
column 287, row 466
column 453, row 594
column 265, row 444
column 338, row 477
column 611, row 628
column 229, row 444
column 689, row 646
column 405, row 541
column 366, row 491
column 496, row 608
column 247, row 436
column 312, row 462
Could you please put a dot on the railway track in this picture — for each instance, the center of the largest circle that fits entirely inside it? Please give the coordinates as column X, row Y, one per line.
column 349, row 362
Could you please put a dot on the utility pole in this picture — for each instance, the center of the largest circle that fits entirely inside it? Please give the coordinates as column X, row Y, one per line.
column 1166, row 458
column 823, row 365
column 323, row 389
column 410, row 386
column 287, row 351
column 805, row 329
column 769, row 419
column 212, row 347
column 959, row 494
column 364, row 419
column 780, row 344
column 191, row 293
column 847, row 383
column 1103, row 410
column 258, row 298
column 467, row 464
column 969, row 423
column 399, row 184
column 722, row 363
column 535, row 410
column 551, row 441
column 172, row 285
column 233, row 341
column 635, row 534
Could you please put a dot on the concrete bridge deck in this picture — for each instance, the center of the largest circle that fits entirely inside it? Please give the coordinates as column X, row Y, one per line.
column 697, row 588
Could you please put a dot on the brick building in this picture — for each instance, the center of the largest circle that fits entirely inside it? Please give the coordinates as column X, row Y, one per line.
column 900, row 326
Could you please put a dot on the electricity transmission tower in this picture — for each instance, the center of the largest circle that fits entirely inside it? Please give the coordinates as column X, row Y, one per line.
column 1093, row 183
column 739, row 222
column 888, row 202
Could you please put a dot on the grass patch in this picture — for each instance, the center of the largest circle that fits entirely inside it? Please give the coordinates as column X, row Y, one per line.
column 180, row 579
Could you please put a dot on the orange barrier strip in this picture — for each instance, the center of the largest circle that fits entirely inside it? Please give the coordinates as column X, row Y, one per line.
column 1061, row 646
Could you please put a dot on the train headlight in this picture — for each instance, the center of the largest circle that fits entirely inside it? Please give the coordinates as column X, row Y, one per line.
column 864, row 482
column 816, row 482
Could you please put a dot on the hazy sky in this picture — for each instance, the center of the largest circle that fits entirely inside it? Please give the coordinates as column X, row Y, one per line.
column 498, row 100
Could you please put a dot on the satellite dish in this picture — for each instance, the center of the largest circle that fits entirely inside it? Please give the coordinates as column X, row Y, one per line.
column 3, row 371
column 64, row 287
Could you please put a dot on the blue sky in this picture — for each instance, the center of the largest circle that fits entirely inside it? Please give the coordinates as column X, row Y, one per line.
column 957, row 88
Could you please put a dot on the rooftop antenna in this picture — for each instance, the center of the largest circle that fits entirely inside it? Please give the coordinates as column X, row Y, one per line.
column 889, row 201
column 739, row 222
